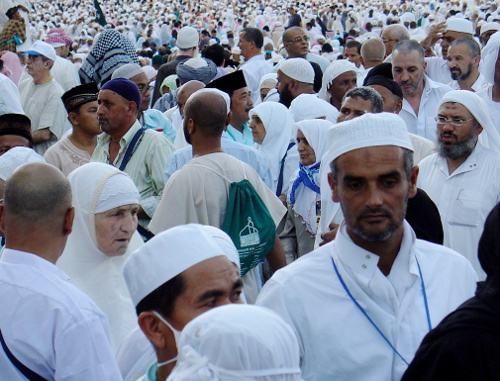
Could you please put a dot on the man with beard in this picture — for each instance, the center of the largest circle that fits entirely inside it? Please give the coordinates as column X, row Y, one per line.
column 463, row 178
column 463, row 60
column 361, row 304
column 421, row 95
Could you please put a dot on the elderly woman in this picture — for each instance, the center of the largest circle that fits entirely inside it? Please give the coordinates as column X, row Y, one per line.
column 237, row 342
column 271, row 124
column 304, row 199
column 104, row 234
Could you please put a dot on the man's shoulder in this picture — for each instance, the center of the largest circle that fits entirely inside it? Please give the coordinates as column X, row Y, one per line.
column 440, row 258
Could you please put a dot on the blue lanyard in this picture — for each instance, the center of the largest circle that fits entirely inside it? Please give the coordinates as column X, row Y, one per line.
column 368, row 316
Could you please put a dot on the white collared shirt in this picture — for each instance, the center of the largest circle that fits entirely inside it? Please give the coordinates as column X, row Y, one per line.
column 463, row 198
column 337, row 341
column 480, row 82
column 254, row 69
column 49, row 325
column 424, row 124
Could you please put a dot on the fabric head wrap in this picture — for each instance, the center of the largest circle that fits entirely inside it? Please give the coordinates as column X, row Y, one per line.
column 489, row 56
column 127, row 71
column 57, row 37
column 12, row 67
column 118, row 190
column 278, row 123
column 79, row 95
column 99, row 275
column 167, row 255
column 238, row 341
column 169, row 82
column 309, row 106
column 299, row 69
column 489, row 137
column 335, row 69
column 126, row 88
column 268, row 81
column 16, row 124
column 15, row 157
column 199, row 69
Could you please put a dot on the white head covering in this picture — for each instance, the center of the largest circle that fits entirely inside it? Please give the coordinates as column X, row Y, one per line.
column 316, row 133
column 92, row 271
column 298, row 68
column 461, row 25
column 278, row 123
column 269, row 80
column 166, row 255
column 15, row 157
column 335, row 69
column 237, row 341
column 489, row 137
column 127, row 71
column 309, row 106
column 489, row 56
column 486, row 27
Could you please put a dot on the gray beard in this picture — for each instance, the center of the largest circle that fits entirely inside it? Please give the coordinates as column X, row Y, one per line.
column 462, row 149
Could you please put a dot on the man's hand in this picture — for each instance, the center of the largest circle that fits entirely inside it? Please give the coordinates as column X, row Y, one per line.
column 329, row 236
column 42, row 135
column 435, row 33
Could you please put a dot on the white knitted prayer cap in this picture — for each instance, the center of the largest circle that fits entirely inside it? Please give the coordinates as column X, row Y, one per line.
column 168, row 254
column 15, row 157
column 299, row 69
column 127, row 71
column 456, row 24
column 369, row 130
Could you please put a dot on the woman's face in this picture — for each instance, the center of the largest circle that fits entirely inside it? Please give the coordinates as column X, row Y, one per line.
column 306, row 152
column 114, row 229
column 258, row 129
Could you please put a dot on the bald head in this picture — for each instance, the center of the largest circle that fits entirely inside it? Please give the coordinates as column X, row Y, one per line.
column 213, row 122
column 372, row 52
column 392, row 35
column 36, row 195
column 185, row 91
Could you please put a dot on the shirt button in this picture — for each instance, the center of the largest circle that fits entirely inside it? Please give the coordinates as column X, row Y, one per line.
column 368, row 256
column 363, row 266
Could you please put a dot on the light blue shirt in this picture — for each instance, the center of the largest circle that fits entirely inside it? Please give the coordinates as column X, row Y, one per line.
column 257, row 160
column 156, row 120
column 238, row 137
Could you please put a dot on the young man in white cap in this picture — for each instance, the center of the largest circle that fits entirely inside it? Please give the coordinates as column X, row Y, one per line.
column 448, row 31
column 41, row 98
column 295, row 88
column 339, row 78
column 361, row 304
column 176, row 276
column 187, row 42
column 463, row 178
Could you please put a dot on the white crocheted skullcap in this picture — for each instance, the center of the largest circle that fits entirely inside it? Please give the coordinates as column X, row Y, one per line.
column 486, row 27
column 456, row 24
column 118, row 190
column 369, row 130
column 127, row 71
column 15, row 157
column 299, row 69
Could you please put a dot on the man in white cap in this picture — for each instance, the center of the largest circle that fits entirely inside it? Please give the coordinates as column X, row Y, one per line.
column 147, row 117
column 360, row 305
column 339, row 78
column 448, row 31
column 176, row 276
column 463, row 178
column 464, row 56
column 295, row 87
column 41, row 98
column 490, row 69
column 487, row 30
column 421, row 94
column 187, row 43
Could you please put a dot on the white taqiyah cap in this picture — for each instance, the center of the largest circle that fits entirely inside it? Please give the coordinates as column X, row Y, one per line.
column 127, row 71
column 167, row 255
column 299, row 69
column 188, row 37
column 15, row 157
column 456, row 24
column 368, row 130
column 489, row 26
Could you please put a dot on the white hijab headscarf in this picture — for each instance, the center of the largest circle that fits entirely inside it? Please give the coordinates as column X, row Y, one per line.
column 237, row 342
column 278, row 123
column 489, row 56
column 95, row 273
column 489, row 137
column 316, row 133
column 335, row 69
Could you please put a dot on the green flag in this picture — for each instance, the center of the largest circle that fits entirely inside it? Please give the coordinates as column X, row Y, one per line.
column 99, row 15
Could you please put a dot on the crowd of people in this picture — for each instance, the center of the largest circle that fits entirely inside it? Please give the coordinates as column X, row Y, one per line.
column 225, row 190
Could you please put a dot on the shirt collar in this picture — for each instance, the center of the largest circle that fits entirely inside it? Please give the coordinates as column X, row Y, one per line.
column 29, row 259
column 125, row 139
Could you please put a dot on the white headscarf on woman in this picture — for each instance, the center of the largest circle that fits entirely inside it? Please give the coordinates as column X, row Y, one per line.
column 335, row 69
column 315, row 132
column 489, row 137
column 237, row 342
column 278, row 123
column 96, row 188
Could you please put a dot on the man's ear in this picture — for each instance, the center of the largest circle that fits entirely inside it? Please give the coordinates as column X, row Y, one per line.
column 333, row 186
column 68, row 221
column 152, row 328
column 413, row 181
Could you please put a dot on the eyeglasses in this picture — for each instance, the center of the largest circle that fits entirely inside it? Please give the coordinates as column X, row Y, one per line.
column 299, row 39
column 33, row 58
column 145, row 89
column 457, row 122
